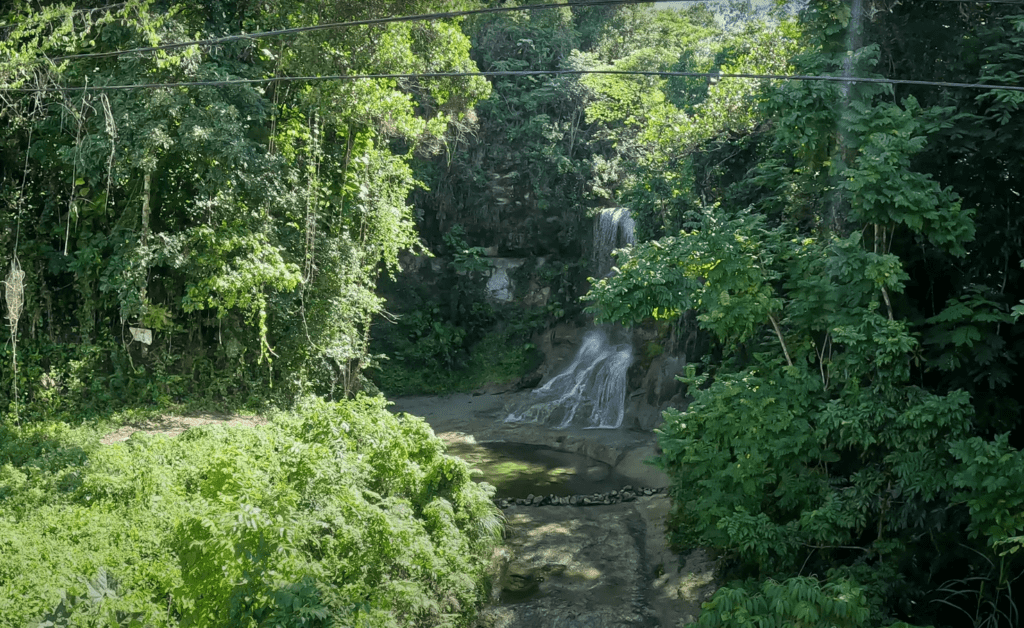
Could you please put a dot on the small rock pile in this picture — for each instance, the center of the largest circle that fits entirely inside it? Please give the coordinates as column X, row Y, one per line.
column 627, row 494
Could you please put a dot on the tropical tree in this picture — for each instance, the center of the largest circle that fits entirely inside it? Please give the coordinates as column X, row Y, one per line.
column 243, row 221
column 818, row 443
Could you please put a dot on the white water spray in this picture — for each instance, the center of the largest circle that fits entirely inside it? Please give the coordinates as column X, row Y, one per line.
column 590, row 391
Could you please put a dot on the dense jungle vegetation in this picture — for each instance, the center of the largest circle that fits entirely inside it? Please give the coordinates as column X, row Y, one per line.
column 850, row 253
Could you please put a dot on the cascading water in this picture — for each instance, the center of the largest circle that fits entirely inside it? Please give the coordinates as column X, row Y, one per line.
column 613, row 228
column 592, row 389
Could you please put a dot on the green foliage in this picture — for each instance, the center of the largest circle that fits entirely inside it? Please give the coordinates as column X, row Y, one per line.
column 521, row 164
column 1018, row 310
column 965, row 338
column 814, row 443
column 467, row 261
column 436, row 324
column 670, row 139
column 883, row 189
column 803, row 602
column 430, row 341
column 337, row 514
column 989, row 472
column 246, row 225
column 497, row 358
column 90, row 609
column 724, row 266
column 764, row 455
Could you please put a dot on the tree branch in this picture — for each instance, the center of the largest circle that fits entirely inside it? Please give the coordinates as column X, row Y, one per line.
column 778, row 332
column 888, row 304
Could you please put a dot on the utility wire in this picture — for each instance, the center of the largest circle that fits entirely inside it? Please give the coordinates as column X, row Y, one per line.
column 463, row 13
column 441, row 75
column 371, row 22
column 407, row 18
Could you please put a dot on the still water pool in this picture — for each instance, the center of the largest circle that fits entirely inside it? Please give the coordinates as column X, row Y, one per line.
column 518, row 470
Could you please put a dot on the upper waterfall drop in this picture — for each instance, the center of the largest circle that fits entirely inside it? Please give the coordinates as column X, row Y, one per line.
column 613, row 229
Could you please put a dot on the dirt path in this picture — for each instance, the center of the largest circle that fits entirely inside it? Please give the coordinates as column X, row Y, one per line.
column 173, row 425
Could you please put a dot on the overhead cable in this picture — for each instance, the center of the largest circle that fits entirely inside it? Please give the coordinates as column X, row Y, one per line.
column 499, row 73
column 215, row 41
column 407, row 18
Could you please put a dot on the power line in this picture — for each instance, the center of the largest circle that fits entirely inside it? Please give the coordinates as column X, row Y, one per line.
column 406, row 18
column 438, row 75
column 371, row 22
column 386, row 20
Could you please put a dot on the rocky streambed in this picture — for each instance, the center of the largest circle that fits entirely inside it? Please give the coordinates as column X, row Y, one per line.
column 585, row 536
column 601, row 567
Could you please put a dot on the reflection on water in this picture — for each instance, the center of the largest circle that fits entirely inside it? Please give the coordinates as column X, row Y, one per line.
column 518, row 470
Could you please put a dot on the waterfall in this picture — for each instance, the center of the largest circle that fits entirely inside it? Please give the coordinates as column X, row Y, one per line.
column 592, row 389
column 613, row 229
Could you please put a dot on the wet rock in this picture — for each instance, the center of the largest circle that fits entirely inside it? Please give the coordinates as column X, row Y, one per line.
column 520, row 583
column 679, row 586
column 530, row 380
column 634, row 466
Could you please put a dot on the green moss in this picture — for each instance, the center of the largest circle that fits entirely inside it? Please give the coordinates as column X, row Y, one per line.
column 495, row 359
column 653, row 350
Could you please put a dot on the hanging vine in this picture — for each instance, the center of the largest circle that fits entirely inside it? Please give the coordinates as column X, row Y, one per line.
column 14, row 295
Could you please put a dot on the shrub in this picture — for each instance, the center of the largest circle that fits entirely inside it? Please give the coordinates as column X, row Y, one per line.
column 336, row 514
